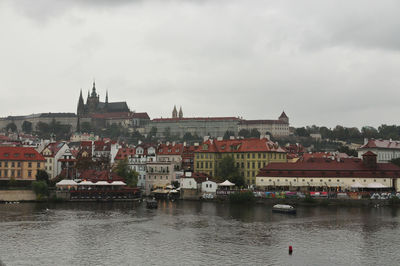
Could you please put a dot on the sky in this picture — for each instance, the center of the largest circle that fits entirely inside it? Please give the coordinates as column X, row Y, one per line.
column 322, row 62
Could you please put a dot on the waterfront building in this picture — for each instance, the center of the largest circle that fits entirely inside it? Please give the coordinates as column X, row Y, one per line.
column 249, row 155
column 159, row 175
column 278, row 128
column 326, row 174
column 52, row 153
column 171, row 152
column 20, row 163
column 188, row 156
column 386, row 150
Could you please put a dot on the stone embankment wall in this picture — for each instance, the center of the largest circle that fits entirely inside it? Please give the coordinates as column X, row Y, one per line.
column 190, row 194
column 17, row 195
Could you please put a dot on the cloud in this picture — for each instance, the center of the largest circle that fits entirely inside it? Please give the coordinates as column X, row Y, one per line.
column 326, row 63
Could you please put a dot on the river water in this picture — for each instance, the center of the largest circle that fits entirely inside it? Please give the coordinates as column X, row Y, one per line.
column 196, row 233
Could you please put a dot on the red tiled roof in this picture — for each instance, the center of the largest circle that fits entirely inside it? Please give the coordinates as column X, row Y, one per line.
column 351, row 167
column 201, row 177
column 240, row 145
column 263, row 122
column 164, row 149
column 20, row 154
column 378, row 143
column 369, row 153
column 283, row 115
column 116, row 115
column 54, row 147
column 4, row 138
column 143, row 115
column 195, row 118
column 94, row 176
column 125, row 153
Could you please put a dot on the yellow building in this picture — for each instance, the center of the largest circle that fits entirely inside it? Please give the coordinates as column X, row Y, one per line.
column 20, row 163
column 249, row 155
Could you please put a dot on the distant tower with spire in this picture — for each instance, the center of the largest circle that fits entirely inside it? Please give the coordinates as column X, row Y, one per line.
column 180, row 112
column 174, row 113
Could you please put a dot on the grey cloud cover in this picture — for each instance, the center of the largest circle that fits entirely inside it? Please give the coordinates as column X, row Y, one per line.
column 323, row 62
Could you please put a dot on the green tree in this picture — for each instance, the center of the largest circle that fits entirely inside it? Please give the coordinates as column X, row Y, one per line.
column 43, row 130
column 130, row 176
column 254, row 133
column 301, row 132
column 27, row 127
column 226, row 169
column 42, row 175
column 40, row 188
column 244, row 133
column 228, row 134
column 348, row 151
column 167, row 133
column 152, row 134
column 396, row 161
column 11, row 127
column 369, row 132
column 86, row 127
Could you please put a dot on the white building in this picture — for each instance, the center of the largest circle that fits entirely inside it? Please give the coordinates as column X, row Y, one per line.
column 385, row 150
column 52, row 153
column 209, row 186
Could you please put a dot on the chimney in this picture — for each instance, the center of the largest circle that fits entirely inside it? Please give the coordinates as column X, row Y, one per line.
column 369, row 159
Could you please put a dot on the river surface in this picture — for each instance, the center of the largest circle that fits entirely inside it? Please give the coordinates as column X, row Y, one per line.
column 195, row 233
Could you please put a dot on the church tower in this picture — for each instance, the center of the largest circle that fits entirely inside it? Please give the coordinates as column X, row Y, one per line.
column 80, row 111
column 93, row 100
column 174, row 113
column 180, row 112
column 283, row 117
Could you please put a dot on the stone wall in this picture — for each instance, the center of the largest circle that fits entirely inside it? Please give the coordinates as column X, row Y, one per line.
column 17, row 195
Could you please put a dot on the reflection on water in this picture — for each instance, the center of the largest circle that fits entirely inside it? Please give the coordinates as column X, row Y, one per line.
column 182, row 233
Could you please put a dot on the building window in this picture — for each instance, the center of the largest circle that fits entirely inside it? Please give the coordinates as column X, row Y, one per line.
column 38, row 165
column 19, row 164
column 263, row 155
column 0, row 164
column 253, row 165
column 30, row 165
column 248, row 156
column 211, row 164
column 248, row 164
column 29, row 173
column 259, row 155
column 5, row 173
column 253, row 155
column 6, row 164
column 12, row 164
column 197, row 164
column 304, row 180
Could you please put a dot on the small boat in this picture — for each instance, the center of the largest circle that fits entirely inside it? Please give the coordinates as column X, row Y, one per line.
column 151, row 204
column 282, row 208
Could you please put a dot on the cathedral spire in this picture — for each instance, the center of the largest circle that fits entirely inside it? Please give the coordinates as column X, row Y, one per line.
column 174, row 112
column 107, row 96
column 180, row 112
column 94, row 94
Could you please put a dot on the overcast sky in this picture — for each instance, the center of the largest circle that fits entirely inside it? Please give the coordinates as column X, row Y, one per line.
column 323, row 62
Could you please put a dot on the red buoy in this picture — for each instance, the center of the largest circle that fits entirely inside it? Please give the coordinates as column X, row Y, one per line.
column 290, row 250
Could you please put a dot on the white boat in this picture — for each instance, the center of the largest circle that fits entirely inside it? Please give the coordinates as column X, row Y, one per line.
column 283, row 208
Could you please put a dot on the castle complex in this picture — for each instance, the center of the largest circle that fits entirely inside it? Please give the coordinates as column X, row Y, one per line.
column 102, row 114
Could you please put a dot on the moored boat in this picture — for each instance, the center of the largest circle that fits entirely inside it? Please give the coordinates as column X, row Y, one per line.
column 283, row 208
column 151, row 204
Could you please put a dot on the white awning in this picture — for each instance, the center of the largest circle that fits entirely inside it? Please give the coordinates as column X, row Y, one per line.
column 102, row 183
column 376, row 185
column 357, row 185
column 66, row 182
column 226, row 183
column 118, row 183
column 86, row 183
